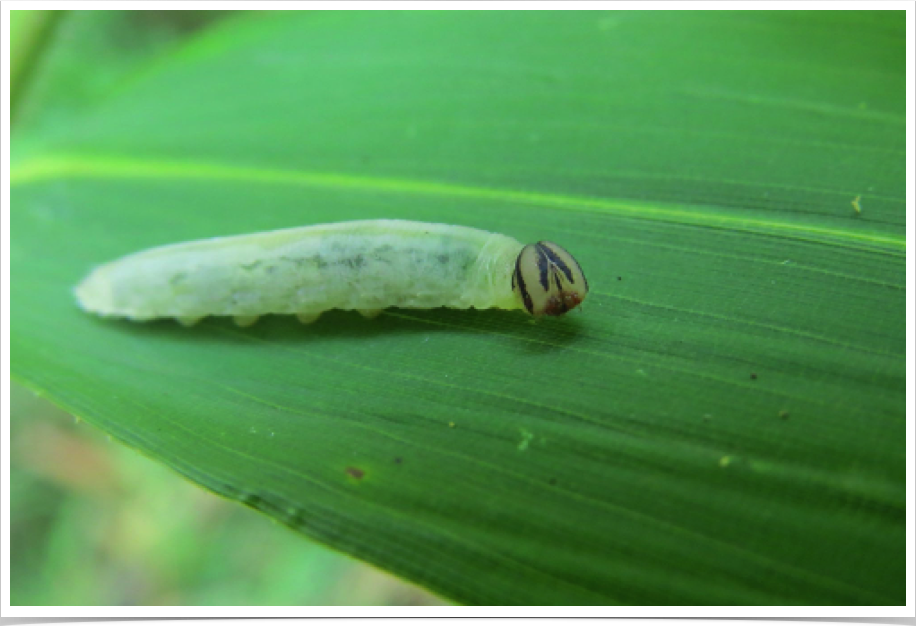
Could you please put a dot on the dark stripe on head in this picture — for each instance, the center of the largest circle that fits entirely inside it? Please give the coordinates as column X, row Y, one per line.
column 557, row 261
column 520, row 281
column 543, row 266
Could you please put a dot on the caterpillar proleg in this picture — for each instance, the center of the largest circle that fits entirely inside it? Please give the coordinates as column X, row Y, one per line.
column 365, row 266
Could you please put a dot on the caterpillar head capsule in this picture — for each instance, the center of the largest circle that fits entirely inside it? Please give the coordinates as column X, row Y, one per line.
column 548, row 279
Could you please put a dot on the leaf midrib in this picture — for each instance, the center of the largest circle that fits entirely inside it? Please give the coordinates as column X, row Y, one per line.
column 40, row 169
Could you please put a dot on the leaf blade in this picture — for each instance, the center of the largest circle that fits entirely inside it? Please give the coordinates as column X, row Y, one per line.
column 625, row 455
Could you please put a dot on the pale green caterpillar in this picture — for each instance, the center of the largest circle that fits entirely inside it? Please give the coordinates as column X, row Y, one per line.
column 365, row 266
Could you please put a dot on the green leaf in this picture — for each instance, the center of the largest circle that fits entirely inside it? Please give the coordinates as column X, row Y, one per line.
column 722, row 424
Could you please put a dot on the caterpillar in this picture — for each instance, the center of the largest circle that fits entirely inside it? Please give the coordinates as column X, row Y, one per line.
column 365, row 266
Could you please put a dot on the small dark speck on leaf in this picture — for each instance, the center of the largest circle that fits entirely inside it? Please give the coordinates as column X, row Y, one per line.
column 784, row 414
column 620, row 278
column 553, row 481
column 355, row 472
column 397, row 460
column 753, row 376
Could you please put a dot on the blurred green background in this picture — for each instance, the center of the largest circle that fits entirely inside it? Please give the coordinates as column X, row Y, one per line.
column 94, row 522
